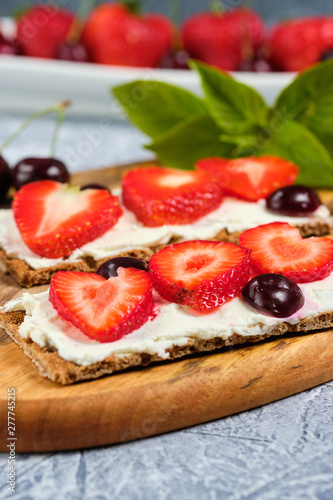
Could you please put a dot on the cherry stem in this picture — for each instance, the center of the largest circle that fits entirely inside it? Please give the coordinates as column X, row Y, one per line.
column 75, row 31
column 60, row 118
column 58, row 108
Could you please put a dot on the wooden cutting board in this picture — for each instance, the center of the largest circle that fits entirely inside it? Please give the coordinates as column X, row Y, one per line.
column 161, row 398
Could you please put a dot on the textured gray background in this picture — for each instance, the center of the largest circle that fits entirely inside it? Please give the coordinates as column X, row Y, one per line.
column 271, row 10
column 283, row 451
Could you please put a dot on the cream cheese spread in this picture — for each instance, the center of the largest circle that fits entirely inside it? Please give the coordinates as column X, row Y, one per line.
column 129, row 234
column 171, row 325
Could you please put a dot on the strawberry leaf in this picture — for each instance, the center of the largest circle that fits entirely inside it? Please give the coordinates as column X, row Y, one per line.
column 156, row 107
column 309, row 100
column 294, row 142
column 189, row 141
column 235, row 107
column 133, row 6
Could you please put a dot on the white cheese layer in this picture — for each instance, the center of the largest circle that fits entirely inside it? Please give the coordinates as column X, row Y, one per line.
column 172, row 325
column 129, row 234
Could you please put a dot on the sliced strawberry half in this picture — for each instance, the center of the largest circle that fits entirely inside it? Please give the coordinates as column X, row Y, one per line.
column 279, row 248
column 159, row 196
column 104, row 310
column 250, row 178
column 54, row 219
column 200, row 274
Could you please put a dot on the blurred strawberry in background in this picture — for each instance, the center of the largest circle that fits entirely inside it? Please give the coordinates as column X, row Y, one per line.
column 223, row 39
column 296, row 44
column 41, row 29
column 117, row 36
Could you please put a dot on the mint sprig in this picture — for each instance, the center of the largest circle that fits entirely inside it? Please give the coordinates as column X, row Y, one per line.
column 189, row 141
column 294, row 142
column 309, row 100
column 233, row 120
column 235, row 107
column 155, row 107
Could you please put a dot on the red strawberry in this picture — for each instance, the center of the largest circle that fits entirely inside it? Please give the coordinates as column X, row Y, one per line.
column 42, row 29
column 105, row 310
column 200, row 274
column 279, row 248
column 223, row 39
column 250, row 178
column 114, row 35
column 160, row 196
column 299, row 43
column 55, row 218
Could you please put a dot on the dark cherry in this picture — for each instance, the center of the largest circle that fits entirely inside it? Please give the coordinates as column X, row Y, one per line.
column 328, row 55
column 256, row 66
column 175, row 60
column 274, row 294
column 38, row 169
column 295, row 200
column 5, row 178
column 109, row 268
column 94, row 186
column 76, row 52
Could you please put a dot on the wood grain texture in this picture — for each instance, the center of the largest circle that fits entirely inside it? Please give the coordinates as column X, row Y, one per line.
column 161, row 398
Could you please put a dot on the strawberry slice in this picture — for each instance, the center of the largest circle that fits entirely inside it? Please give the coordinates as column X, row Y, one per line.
column 55, row 218
column 200, row 274
column 250, row 178
column 161, row 196
column 279, row 248
column 104, row 310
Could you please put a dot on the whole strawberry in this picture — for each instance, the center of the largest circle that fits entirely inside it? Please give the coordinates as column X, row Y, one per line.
column 223, row 39
column 42, row 29
column 115, row 36
column 294, row 45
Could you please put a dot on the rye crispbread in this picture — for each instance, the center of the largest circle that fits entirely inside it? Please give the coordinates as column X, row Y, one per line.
column 52, row 366
column 26, row 276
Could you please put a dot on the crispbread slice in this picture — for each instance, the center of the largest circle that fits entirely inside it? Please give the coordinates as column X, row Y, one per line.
column 26, row 276
column 52, row 366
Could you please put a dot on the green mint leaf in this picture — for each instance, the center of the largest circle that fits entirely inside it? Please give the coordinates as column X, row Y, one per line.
column 189, row 141
column 309, row 100
column 243, row 143
column 235, row 107
column 296, row 143
column 155, row 107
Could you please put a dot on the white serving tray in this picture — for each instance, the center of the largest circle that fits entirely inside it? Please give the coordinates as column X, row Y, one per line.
column 27, row 84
